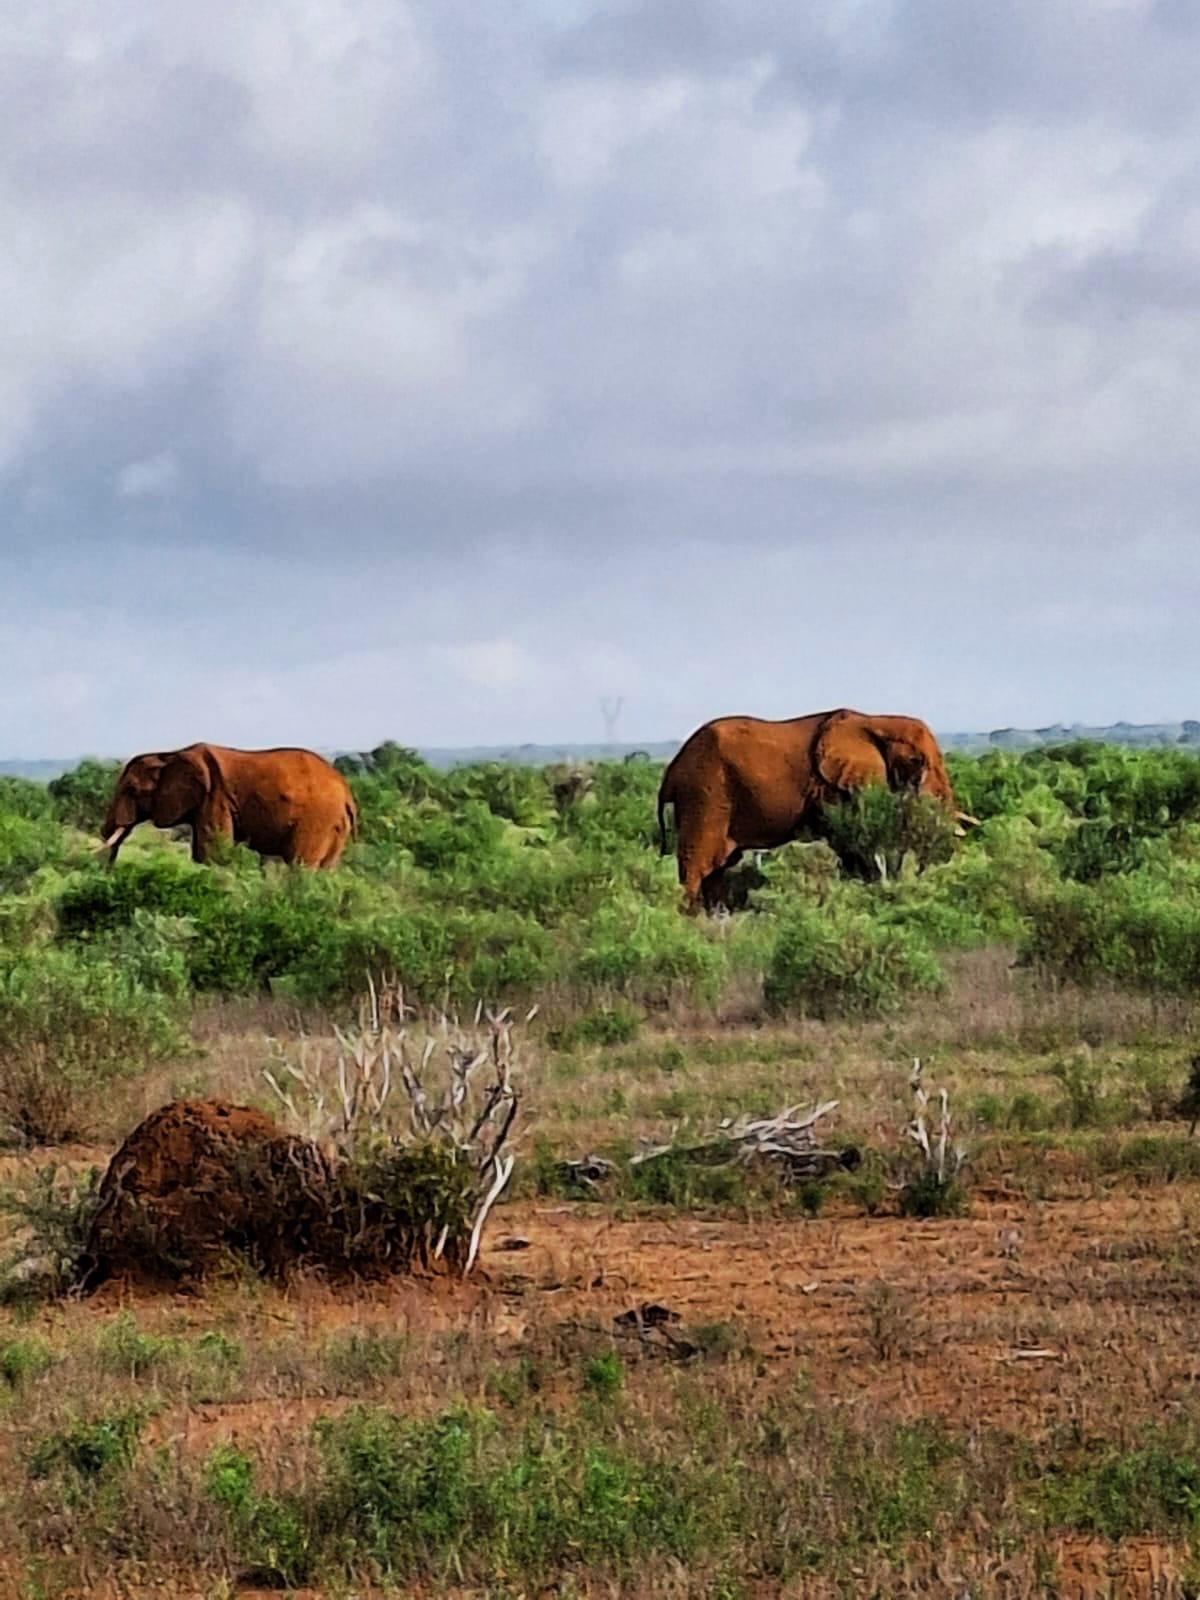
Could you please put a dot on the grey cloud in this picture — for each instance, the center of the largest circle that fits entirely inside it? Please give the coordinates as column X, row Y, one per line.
column 504, row 357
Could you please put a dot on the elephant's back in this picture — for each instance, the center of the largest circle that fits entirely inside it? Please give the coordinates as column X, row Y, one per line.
column 749, row 744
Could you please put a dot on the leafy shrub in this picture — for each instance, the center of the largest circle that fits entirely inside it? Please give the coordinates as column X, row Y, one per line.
column 26, row 845
column 99, row 899
column 54, row 1211
column 677, row 1179
column 610, row 1025
column 1097, row 849
column 89, row 1449
column 270, row 1533
column 21, row 797
column 604, row 1374
column 931, row 1194
column 80, row 797
column 648, row 951
column 1116, row 1493
column 124, row 1349
column 1135, row 930
column 878, row 826
column 1085, row 1104
column 22, row 1359
column 827, row 965
column 68, row 1021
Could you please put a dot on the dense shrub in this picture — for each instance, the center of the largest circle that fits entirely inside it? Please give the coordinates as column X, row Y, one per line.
column 26, row 845
column 485, row 881
column 99, row 898
column 845, row 964
column 875, row 831
column 93, row 1016
column 649, row 952
column 80, row 797
column 1131, row 930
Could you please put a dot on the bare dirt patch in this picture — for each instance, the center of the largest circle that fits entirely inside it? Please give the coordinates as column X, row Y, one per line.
column 1018, row 1315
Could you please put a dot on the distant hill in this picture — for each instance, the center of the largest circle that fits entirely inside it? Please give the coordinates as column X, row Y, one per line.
column 1141, row 735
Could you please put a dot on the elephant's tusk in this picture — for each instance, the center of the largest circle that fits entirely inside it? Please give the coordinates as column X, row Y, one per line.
column 965, row 817
column 116, row 837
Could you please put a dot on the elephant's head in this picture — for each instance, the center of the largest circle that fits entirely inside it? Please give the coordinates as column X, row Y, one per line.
column 853, row 750
column 167, row 790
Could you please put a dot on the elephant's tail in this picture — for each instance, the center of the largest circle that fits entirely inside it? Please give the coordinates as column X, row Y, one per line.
column 352, row 818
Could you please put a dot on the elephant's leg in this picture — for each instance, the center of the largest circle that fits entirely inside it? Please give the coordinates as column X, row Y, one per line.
column 333, row 852
column 704, row 851
column 313, row 843
column 715, row 888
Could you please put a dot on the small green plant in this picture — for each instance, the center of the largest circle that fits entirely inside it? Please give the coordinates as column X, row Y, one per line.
column 1085, row 1103
column 211, row 1365
column 867, row 1187
column 604, row 1374
column 611, row 1025
column 23, row 1359
column 1027, row 1112
column 273, row 1535
column 718, row 1341
column 675, row 1178
column 123, row 1349
column 89, row 1449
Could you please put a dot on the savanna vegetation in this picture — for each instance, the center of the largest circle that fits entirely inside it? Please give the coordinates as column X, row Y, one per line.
column 913, row 1395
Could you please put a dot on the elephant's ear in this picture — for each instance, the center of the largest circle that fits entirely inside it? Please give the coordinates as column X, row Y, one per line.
column 846, row 756
column 183, row 785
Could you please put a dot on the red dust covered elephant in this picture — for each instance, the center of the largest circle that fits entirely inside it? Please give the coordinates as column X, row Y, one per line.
column 742, row 783
column 286, row 803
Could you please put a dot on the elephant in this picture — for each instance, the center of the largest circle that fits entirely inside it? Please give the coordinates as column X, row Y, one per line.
column 745, row 783
column 287, row 803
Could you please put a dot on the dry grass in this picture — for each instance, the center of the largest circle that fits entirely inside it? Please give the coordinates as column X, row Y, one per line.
column 924, row 1406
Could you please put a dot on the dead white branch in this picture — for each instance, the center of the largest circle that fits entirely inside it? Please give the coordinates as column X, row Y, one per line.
column 789, row 1140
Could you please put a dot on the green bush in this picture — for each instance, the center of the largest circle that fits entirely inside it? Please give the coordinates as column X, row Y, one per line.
column 877, row 827
column 89, row 1449
column 648, row 952
column 1117, row 1493
column 827, row 965
column 80, row 797
column 100, row 899
column 23, row 1359
column 610, row 1025
column 26, row 845
column 90, row 1016
column 1136, row 930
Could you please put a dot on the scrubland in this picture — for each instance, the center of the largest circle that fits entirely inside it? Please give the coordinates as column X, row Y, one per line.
column 997, row 1398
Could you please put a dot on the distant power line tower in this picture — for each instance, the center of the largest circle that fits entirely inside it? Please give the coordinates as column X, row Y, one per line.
column 610, row 710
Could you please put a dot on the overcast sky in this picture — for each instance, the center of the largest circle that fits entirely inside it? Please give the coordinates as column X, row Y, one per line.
column 430, row 369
